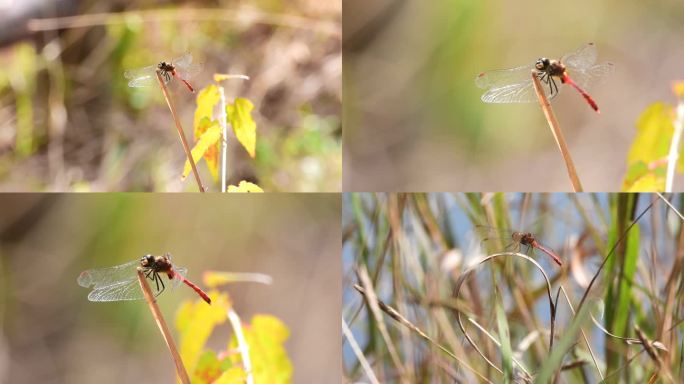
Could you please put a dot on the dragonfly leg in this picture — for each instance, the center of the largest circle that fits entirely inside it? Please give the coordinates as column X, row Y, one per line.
column 553, row 82
column 162, row 284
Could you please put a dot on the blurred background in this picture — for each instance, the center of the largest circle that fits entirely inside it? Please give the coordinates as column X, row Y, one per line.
column 416, row 247
column 51, row 333
column 69, row 122
column 414, row 120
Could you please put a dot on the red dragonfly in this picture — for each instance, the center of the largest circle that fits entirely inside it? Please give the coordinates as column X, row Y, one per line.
column 181, row 68
column 515, row 85
column 121, row 282
column 519, row 239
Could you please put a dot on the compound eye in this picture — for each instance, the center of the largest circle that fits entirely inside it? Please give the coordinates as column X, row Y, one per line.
column 147, row 259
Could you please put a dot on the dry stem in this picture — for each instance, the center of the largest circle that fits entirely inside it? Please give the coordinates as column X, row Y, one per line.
column 188, row 153
column 557, row 133
column 161, row 323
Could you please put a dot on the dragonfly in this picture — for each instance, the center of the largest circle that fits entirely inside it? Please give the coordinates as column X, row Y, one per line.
column 120, row 282
column 181, row 68
column 515, row 85
column 519, row 239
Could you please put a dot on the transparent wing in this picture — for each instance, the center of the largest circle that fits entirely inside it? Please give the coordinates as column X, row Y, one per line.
column 140, row 72
column 145, row 81
column 142, row 77
column 104, row 277
column 121, row 282
column 510, row 86
column 182, row 61
column 117, row 292
column 503, row 77
column 581, row 59
column 592, row 76
column 185, row 68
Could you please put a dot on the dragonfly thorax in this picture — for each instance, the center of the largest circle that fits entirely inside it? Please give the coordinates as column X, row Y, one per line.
column 164, row 66
column 155, row 263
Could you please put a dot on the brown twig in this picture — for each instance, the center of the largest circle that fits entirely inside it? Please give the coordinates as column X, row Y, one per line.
column 161, row 323
column 186, row 147
column 557, row 133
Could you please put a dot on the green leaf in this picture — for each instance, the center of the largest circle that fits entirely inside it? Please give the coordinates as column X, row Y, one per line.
column 240, row 117
column 265, row 337
column 568, row 339
column 208, row 140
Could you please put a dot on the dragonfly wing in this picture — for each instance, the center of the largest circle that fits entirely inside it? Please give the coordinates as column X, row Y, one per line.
column 593, row 76
column 103, row 277
column 179, row 275
column 504, row 77
column 144, row 81
column 183, row 61
column 190, row 71
column 516, row 93
column 140, row 72
column 123, row 291
column 581, row 59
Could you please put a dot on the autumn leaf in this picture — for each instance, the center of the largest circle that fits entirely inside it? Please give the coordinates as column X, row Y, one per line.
column 244, row 186
column 207, row 141
column 240, row 117
column 206, row 100
column 195, row 321
column 266, row 336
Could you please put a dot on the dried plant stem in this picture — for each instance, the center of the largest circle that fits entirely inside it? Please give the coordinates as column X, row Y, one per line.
column 394, row 314
column 242, row 345
column 161, row 323
column 557, row 133
column 359, row 353
column 224, row 140
column 186, row 147
column 674, row 147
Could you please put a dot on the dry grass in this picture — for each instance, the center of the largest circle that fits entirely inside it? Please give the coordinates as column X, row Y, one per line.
column 457, row 309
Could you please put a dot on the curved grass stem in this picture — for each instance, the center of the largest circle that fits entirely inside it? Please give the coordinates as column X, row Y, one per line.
column 557, row 133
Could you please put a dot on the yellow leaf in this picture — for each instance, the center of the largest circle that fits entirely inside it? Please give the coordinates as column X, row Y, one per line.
column 206, row 100
column 233, row 375
column 240, row 117
column 678, row 88
column 244, row 186
column 209, row 368
column 208, row 140
column 647, row 183
column 654, row 133
column 195, row 321
column 265, row 337
column 224, row 76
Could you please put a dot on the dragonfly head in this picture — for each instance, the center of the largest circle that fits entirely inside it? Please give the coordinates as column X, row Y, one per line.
column 147, row 260
column 542, row 63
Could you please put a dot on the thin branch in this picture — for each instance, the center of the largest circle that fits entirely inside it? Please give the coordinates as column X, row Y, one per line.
column 557, row 133
column 161, row 323
column 186, row 148
column 242, row 345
